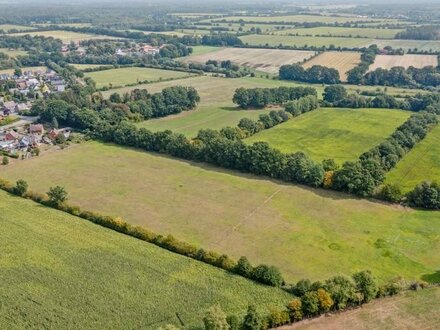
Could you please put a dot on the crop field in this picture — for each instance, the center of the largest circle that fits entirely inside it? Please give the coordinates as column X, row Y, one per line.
column 306, row 232
column 342, row 32
column 13, row 52
column 408, row 311
column 299, row 19
column 421, row 164
column 421, row 45
column 341, row 134
column 407, row 60
column 341, row 61
column 54, row 267
column 132, row 75
column 66, row 36
column 301, row 41
column 200, row 50
column 265, row 60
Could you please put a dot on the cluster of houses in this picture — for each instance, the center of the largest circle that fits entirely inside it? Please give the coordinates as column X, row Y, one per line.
column 139, row 50
column 24, row 139
column 36, row 82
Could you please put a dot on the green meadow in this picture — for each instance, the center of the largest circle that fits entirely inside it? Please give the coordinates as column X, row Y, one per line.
column 307, row 233
column 341, row 134
column 62, row 272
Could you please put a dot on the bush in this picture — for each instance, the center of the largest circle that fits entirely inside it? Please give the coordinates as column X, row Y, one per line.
column 366, row 285
column 215, row 319
column 310, row 303
column 295, row 310
column 269, row 275
column 390, row 192
column 20, row 188
column 342, row 291
column 243, row 267
column 252, row 320
column 233, row 322
column 426, row 195
column 277, row 317
column 324, row 299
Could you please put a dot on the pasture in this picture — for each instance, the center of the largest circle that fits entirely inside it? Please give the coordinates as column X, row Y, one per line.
column 265, row 60
column 13, row 52
column 342, row 32
column 132, row 75
column 82, row 67
column 65, row 36
column 216, row 109
column 408, row 311
column 341, row 61
column 56, row 267
column 421, row 164
column 407, row 60
column 29, row 68
column 298, row 19
column 301, row 41
column 307, row 232
column 12, row 27
column 341, row 134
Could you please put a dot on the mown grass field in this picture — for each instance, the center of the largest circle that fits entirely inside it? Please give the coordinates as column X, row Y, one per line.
column 87, row 66
column 132, row 75
column 306, row 232
column 8, row 27
column 65, row 36
column 407, row 60
column 342, row 32
column 216, row 109
column 412, row 310
column 301, row 41
column 59, row 272
column 13, row 52
column 265, row 60
column 299, row 18
column 421, row 164
column 342, row 134
column 341, row 61
column 28, row 68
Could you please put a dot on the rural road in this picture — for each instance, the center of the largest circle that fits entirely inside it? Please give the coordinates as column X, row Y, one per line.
column 24, row 120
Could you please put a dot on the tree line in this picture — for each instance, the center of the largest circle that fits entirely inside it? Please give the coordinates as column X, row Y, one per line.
column 315, row 74
column 261, row 97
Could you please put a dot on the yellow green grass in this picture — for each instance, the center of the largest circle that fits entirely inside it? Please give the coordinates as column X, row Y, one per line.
column 87, row 66
column 132, row 75
column 306, row 232
column 13, row 52
column 59, row 272
column 66, row 36
column 341, row 134
column 216, row 109
column 8, row 27
column 28, row 68
column 412, row 310
column 342, row 32
column 421, row 164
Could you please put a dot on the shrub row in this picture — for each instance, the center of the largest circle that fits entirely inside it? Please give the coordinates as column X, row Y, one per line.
column 261, row 97
column 315, row 74
column 56, row 198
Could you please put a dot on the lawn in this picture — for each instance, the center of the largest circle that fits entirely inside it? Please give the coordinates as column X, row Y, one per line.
column 342, row 32
column 65, row 36
column 86, row 66
column 306, row 232
column 421, row 164
column 412, row 310
column 341, row 134
column 132, row 75
column 62, row 272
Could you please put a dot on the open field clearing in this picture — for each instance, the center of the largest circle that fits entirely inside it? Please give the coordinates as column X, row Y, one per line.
column 54, row 267
column 421, row 164
column 341, row 61
column 66, row 36
column 87, row 66
column 216, row 109
column 13, row 52
column 8, row 27
column 265, row 60
column 29, row 68
column 299, row 19
column 407, row 60
column 342, row 32
column 412, row 310
column 342, row 134
column 301, row 41
column 306, row 232
column 132, row 75
column 200, row 50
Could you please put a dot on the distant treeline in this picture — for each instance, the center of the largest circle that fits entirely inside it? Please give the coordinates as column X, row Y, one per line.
column 424, row 32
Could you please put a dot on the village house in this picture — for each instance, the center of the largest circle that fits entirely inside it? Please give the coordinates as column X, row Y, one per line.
column 36, row 129
column 11, row 136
